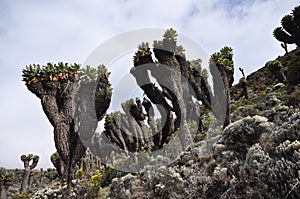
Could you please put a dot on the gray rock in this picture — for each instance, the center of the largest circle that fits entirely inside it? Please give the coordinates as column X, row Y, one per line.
column 245, row 132
column 278, row 86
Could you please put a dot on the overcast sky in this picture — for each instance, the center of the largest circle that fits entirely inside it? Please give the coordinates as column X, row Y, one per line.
column 40, row 31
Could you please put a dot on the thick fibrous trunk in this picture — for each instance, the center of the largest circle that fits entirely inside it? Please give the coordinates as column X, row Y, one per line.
column 25, row 179
column 30, row 181
column 74, row 112
column 221, row 100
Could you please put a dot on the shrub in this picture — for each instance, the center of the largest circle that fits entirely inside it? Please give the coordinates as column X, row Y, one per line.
column 293, row 72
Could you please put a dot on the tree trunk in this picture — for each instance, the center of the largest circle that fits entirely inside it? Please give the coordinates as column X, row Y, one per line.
column 73, row 109
column 30, row 181
column 221, row 100
column 3, row 190
column 25, row 179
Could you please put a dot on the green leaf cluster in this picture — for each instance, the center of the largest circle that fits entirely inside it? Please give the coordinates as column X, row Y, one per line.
column 224, row 57
column 110, row 117
column 143, row 50
column 170, row 34
column 5, row 176
column 180, row 51
column 50, row 71
column 61, row 71
column 195, row 63
column 274, row 65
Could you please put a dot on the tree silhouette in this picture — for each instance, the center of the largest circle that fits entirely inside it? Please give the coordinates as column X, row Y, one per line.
column 289, row 33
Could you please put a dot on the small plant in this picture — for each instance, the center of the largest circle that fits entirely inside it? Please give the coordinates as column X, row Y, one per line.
column 50, row 174
column 24, row 195
column 143, row 51
column 6, row 179
column 180, row 51
column 79, row 173
column 293, row 72
column 293, row 99
column 239, row 103
column 170, row 39
column 95, row 180
column 197, row 144
column 58, row 164
column 276, row 69
column 27, row 169
column 254, row 106
column 219, row 132
column 261, row 112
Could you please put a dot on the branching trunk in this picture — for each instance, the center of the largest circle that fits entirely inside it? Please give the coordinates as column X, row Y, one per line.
column 27, row 169
column 178, row 83
column 172, row 97
column 73, row 109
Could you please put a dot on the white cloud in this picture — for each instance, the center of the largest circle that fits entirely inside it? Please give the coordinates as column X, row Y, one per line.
column 41, row 31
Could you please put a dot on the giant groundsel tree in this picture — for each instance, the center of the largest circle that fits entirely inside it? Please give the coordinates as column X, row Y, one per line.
column 175, row 86
column 65, row 91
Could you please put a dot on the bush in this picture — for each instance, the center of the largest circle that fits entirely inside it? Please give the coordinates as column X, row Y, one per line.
column 293, row 99
column 293, row 72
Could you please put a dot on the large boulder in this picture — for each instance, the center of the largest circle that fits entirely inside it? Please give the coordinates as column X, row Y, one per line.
column 243, row 133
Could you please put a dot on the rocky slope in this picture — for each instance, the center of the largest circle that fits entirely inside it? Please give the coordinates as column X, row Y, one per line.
column 257, row 156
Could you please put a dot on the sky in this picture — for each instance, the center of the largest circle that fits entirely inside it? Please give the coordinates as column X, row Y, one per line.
column 40, row 31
